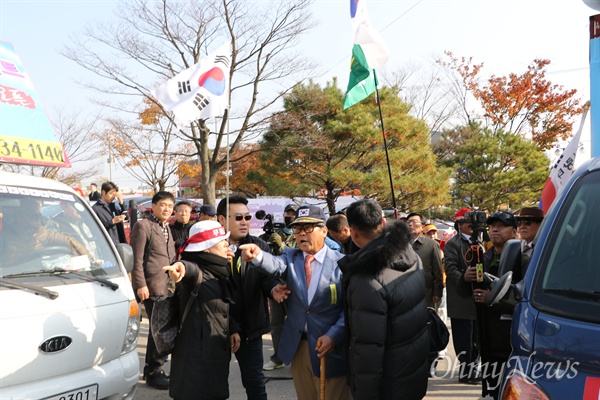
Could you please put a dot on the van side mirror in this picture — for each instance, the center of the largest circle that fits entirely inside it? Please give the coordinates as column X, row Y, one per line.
column 126, row 253
column 510, row 259
column 498, row 288
column 502, row 288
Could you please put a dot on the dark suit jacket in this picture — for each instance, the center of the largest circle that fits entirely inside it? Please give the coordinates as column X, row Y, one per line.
column 429, row 251
column 454, row 258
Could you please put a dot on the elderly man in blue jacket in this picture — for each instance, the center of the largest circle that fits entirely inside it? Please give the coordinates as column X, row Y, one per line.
column 314, row 327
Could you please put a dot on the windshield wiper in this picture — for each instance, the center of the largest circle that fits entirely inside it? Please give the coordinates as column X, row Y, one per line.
column 62, row 271
column 35, row 289
column 584, row 294
column 106, row 282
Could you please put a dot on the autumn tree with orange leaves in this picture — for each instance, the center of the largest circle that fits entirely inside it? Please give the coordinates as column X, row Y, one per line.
column 243, row 166
column 526, row 104
column 147, row 150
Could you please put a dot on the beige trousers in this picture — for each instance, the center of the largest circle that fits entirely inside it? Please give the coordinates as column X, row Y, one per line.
column 308, row 386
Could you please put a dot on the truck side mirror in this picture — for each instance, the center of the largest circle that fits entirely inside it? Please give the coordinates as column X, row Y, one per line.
column 126, row 253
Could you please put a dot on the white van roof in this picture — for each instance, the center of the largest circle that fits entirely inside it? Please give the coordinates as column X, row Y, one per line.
column 20, row 180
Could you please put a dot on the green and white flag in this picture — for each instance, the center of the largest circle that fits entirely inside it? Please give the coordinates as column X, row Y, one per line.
column 369, row 52
column 361, row 83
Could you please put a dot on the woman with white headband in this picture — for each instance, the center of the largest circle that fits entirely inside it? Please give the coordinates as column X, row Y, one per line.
column 202, row 352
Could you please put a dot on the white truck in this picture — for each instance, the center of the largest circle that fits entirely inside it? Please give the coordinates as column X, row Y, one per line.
column 69, row 321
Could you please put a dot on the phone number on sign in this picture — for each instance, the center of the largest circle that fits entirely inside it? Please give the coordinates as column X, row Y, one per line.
column 31, row 150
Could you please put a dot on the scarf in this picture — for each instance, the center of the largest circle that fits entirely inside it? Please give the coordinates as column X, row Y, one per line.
column 217, row 266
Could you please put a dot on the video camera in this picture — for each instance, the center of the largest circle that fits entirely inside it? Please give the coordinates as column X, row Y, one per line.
column 478, row 222
column 269, row 226
column 477, row 219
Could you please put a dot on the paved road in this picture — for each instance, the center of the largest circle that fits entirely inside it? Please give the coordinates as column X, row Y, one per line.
column 280, row 385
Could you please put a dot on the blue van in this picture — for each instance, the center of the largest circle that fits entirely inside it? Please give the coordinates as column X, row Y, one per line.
column 556, row 323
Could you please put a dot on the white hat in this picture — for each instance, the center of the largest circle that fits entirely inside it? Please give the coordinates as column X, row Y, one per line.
column 204, row 235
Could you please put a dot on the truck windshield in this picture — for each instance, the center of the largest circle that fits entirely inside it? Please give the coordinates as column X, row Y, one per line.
column 50, row 230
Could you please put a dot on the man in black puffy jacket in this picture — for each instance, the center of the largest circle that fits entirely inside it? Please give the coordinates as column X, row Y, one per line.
column 385, row 309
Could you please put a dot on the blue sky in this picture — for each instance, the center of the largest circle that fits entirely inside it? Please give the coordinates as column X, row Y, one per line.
column 506, row 35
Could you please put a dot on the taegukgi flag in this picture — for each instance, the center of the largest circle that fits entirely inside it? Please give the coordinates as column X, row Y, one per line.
column 369, row 52
column 199, row 92
column 562, row 169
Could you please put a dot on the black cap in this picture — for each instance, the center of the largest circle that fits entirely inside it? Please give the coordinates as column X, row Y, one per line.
column 290, row 207
column 209, row 210
column 504, row 217
column 309, row 215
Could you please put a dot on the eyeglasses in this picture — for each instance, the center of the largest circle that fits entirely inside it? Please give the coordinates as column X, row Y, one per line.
column 308, row 228
column 414, row 221
column 241, row 217
column 526, row 223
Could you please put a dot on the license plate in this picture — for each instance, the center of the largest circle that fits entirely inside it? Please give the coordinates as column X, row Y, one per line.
column 84, row 393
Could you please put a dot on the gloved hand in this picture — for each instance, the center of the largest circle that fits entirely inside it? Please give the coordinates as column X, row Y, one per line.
column 275, row 239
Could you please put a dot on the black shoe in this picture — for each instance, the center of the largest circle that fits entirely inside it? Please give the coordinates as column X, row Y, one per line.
column 158, row 380
column 470, row 380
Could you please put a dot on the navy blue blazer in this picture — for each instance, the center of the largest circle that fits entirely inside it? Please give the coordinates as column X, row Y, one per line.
column 323, row 316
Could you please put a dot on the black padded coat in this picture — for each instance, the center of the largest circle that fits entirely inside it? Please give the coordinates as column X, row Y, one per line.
column 386, row 318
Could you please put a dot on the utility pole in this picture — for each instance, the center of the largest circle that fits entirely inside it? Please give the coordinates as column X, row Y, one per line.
column 110, row 162
column 595, row 82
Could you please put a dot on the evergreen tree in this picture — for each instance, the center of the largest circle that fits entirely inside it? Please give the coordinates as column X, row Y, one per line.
column 314, row 144
column 492, row 168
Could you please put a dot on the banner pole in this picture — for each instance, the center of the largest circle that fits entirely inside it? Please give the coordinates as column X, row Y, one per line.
column 387, row 156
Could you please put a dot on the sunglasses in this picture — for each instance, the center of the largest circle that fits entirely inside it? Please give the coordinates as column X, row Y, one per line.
column 526, row 223
column 308, row 228
column 241, row 217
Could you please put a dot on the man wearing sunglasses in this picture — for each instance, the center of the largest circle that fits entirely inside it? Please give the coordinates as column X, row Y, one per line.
column 251, row 288
column 314, row 327
column 529, row 220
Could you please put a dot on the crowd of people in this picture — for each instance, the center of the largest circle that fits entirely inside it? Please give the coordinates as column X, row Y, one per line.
column 353, row 288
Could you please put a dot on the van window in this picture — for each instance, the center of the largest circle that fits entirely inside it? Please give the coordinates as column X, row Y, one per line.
column 568, row 277
column 43, row 231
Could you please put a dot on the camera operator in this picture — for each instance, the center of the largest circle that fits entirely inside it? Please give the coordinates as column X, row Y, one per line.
column 270, row 235
column 493, row 323
column 461, row 310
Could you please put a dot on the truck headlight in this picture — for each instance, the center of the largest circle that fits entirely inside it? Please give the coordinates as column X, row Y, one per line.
column 133, row 328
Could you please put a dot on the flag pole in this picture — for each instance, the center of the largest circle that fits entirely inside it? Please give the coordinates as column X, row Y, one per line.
column 387, row 156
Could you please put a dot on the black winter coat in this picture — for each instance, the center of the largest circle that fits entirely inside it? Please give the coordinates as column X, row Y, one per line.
column 251, row 288
column 180, row 232
column 494, row 323
column 106, row 213
column 386, row 318
column 202, row 353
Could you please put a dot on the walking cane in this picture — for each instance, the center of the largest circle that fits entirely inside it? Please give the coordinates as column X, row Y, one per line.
column 322, row 378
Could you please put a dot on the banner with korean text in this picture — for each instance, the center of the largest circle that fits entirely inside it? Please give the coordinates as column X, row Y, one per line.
column 26, row 134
